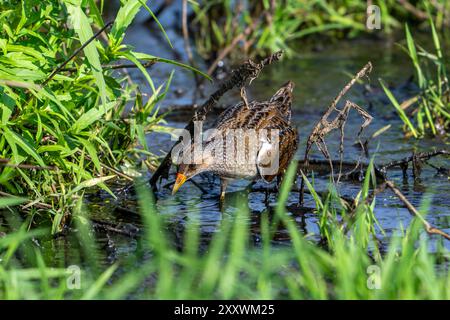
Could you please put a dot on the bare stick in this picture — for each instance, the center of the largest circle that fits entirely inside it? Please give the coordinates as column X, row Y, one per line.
column 380, row 170
column 116, row 66
column 104, row 166
column 62, row 65
column 423, row 156
column 324, row 126
column 231, row 46
column 36, row 203
column 115, row 228
column 6, row 163
column 413, row 211
column 411, row 8
column 246, row 72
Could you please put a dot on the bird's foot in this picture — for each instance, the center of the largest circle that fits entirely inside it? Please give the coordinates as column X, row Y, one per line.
column 222, row 201
column 266, row 196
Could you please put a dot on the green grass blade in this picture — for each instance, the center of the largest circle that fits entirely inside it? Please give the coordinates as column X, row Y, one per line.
column 400, row 111
column 11, row 201
column 83, row 28
column 157, row 22
column 124, row 17
column 18, row 140
column 415, row 59
column 149, row 57
column 95, row 289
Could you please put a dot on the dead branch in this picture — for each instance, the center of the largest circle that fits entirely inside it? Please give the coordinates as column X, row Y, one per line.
column 107, row 226
column 33, row 203
column 413, row 211
column 325, row 126
column 246, row 72
column 7, row 163
column 344, row 200
column 422, row 15
column 231, row 46
column 421, row 156
column 76, row 52
column 323, row 167
column 117, row 66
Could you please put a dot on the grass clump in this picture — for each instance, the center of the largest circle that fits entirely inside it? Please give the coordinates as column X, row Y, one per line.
column 260, row 26
column 348, row 265
column 431, row 107
column 69, row 124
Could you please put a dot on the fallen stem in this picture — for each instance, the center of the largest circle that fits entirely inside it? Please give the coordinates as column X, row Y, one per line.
column 76, row 52
column 423, row 156
column 6, row 163
column 116, row 66
column 324, row 126
column 413, row 211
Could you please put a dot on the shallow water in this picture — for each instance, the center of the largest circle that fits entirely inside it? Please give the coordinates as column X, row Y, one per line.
column 319, row 74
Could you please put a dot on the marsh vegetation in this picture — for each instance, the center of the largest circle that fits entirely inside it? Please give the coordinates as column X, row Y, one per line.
column 92, row 91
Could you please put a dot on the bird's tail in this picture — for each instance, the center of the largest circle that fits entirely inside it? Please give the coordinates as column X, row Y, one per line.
column 283, row 98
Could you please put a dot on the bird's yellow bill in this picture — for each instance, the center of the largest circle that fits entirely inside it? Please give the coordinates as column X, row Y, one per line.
column 181, row 178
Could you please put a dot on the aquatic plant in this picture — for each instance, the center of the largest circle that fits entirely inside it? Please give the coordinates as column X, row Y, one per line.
column 431, row 107
column 350, row 264
column 224, row 28
column 66, row 127
column 69, row 120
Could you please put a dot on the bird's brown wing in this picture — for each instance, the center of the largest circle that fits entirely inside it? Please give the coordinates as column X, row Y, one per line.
column 273, row 157
column 255, row 114
column 288, row 147
column 282, row 100
column 240, row 116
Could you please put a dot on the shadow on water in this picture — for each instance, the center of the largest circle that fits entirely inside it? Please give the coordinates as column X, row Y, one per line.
column 319, row 76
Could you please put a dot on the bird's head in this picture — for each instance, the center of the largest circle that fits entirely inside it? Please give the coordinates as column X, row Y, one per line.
column 186, row 172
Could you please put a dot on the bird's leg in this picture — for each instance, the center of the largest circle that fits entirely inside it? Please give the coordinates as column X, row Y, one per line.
column 223, row 187
column 266, row 194
column 279, row 180
column 244, row 97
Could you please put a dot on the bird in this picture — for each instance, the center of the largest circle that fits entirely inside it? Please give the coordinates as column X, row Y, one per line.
column 261, row 135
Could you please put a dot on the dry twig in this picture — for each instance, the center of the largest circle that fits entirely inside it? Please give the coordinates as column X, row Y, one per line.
column 325, row 126
column 413, row 211
column 7, row 163
column 76, row 52
column 146, row 65
column 420, row 156
column 231, row 46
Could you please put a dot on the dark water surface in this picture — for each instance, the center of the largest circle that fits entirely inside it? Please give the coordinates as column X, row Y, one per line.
column 319, row 74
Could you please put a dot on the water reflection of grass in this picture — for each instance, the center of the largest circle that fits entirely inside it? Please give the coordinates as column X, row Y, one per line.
column 349, row 264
